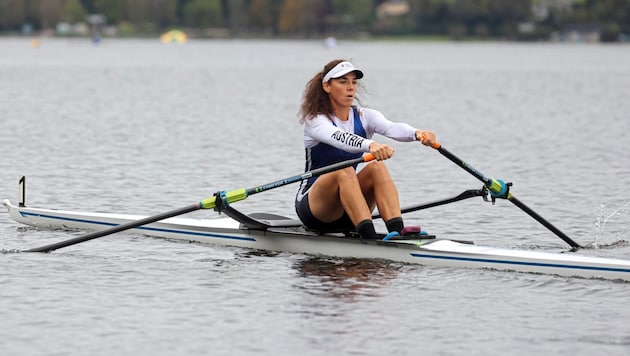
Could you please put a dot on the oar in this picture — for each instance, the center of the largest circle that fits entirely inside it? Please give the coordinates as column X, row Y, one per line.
column 223, row 198
column 500, row 189
column 471, row 193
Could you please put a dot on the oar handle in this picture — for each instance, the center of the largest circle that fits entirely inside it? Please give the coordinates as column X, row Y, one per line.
column 434, row 145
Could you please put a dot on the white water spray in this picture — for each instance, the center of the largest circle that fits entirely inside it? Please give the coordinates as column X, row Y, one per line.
column 603, row 218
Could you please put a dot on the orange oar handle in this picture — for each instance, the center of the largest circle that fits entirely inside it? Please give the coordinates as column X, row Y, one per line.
column 434, row 145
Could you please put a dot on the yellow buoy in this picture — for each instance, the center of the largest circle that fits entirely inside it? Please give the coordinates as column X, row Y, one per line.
column 174, row 36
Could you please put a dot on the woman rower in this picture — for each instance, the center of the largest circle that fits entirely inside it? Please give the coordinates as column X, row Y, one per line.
column 335, row 130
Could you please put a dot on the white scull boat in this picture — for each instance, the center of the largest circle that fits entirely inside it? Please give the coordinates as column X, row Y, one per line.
column 275, row 233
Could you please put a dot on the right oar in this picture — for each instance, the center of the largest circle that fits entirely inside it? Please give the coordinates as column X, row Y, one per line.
column 218, row 200
column 500, row 189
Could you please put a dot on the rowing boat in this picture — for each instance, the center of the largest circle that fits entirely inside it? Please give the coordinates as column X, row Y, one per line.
column 276, row 233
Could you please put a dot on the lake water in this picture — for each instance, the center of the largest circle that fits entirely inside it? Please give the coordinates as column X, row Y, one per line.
column 136, row 126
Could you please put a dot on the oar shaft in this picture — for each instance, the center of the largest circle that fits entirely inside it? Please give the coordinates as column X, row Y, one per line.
column 468, row 168
column 115, row 229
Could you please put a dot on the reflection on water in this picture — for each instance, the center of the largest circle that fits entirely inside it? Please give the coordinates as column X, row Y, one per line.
column 347, row 278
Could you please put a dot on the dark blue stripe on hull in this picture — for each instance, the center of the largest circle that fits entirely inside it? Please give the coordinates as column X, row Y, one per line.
column 537, row 264
column 172, row 231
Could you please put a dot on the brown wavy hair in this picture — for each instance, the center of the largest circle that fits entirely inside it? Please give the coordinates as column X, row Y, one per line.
column 315, row 100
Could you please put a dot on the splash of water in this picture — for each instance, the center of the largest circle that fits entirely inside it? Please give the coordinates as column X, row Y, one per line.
column 603, row 218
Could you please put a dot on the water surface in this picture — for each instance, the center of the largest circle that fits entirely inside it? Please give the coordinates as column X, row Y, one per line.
column 136, row 126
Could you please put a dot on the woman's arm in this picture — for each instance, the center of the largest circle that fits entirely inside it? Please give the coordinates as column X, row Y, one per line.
column 320, row 129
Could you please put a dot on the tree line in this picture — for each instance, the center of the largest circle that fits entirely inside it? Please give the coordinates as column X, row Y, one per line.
column 497, row 19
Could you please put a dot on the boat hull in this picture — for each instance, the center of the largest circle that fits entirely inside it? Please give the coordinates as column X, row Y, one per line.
column 431, row 252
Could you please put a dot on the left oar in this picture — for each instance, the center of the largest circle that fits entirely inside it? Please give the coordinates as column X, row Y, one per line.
column 500, row 189
column 208, row 203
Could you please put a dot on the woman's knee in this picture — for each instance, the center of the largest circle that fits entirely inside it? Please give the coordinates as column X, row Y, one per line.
column 377, row 171
column 346, row 175
column 332, row 181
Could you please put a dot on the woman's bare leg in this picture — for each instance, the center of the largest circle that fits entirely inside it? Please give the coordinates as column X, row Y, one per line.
column 336, row 192
column 379, row 189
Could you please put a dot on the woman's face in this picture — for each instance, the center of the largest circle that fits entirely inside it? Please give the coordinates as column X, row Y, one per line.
column 341, row 90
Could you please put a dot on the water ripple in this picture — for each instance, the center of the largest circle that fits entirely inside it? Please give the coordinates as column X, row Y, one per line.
column 134, row 126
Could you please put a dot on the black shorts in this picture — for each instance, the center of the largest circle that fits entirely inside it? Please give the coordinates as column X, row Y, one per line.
column 303, row 211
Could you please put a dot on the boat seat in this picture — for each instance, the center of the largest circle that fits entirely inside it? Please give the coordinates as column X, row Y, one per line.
column 280, row 221
column 264, row 221
column 260, row 221
column 273, row 220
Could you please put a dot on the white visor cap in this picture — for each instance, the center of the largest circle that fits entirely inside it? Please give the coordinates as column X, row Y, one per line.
column 340, row 70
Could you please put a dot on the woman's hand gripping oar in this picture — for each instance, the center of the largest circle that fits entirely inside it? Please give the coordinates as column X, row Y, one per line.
column 208, row 203
column 500, row 189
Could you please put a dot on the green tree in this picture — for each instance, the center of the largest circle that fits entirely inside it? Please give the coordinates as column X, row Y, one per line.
column 203, row 13
column 114, row 10
column 508, row 14
column 292, row 16
column 48, row 12
column 304, row 17
column 359, row 12
column 12, row 14
column 236, row 14
column 260, row 14
column 160, row 13
column 73, row 11
column 429, row 16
